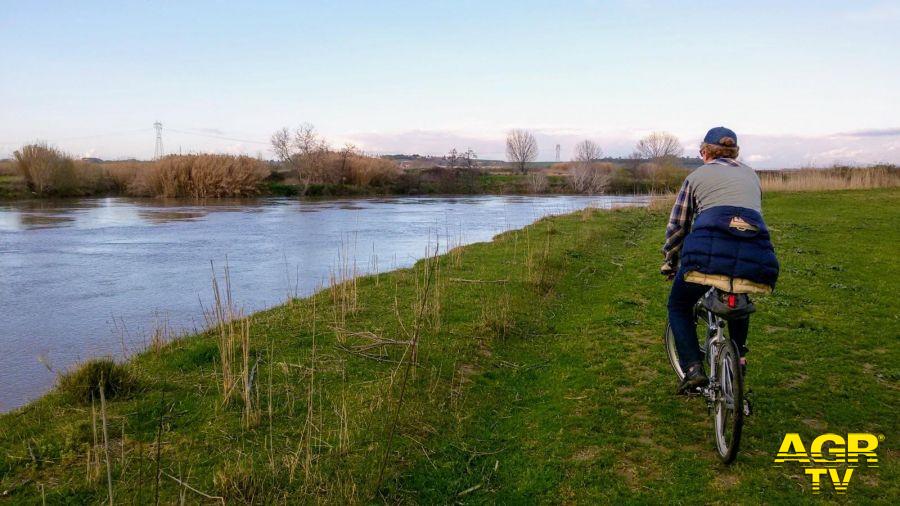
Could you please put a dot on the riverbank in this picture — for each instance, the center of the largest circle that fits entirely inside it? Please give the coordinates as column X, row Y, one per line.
column 539, row 377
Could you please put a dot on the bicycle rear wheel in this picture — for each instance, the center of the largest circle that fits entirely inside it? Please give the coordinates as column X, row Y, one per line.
column 729, row 405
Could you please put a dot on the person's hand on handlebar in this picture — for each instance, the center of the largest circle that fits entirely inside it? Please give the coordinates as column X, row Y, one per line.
column 668, row 271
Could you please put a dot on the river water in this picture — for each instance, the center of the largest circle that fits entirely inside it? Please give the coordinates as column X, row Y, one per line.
column 94, row 277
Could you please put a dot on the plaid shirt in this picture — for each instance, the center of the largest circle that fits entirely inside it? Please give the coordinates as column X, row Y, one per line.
column 682, row 217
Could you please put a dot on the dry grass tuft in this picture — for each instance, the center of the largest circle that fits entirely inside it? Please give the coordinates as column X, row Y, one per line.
column 232, row 332
column 661, row 202
column 238, row 482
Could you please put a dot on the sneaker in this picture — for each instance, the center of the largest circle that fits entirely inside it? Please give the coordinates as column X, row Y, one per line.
column 694, row 379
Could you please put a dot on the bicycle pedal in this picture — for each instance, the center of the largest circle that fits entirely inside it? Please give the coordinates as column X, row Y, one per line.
column 693, row 392
column 748, row 407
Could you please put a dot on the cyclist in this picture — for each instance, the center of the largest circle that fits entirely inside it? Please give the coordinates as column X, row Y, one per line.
column 715, row 237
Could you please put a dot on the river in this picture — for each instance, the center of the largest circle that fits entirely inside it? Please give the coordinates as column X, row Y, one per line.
column 93, row 277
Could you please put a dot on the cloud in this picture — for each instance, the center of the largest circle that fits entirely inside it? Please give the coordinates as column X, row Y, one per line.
column 782, row 151
column 878, row 12
column 757, row 158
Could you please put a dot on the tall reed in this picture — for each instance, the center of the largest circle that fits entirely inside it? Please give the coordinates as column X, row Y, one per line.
column 232, row 331
column 836, row 178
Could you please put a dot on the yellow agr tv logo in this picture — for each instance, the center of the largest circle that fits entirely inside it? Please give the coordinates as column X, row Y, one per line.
column 830, row 457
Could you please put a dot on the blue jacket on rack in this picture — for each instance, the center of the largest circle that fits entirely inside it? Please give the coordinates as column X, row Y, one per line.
column 731, row 241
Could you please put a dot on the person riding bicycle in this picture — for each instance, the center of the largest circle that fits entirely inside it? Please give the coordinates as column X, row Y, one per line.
column 716, row 236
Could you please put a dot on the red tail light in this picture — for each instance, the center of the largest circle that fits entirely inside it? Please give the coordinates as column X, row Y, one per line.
column 732, row 300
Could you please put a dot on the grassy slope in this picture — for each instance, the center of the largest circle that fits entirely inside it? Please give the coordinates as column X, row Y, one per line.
column 550, row 385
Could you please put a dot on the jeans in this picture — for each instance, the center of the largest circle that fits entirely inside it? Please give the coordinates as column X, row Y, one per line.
column 684, row 324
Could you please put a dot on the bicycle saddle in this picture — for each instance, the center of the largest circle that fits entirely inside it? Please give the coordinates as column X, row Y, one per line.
column 730, row 306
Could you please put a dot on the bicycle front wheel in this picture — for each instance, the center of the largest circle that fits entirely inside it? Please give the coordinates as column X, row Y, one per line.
column 729, row 405
column 672, row 351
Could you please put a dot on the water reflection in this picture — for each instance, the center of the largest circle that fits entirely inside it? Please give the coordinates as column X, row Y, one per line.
column 161, row 216
column 33, row 220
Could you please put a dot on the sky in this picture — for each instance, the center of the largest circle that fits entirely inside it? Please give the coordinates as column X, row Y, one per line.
column 803, row 83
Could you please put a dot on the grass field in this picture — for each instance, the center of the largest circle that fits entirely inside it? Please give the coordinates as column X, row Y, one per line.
column 537, row 376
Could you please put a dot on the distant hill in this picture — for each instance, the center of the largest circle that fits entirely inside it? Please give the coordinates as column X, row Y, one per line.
column 416, row 161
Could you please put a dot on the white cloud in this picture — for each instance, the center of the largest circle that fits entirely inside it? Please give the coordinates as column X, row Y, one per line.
column 757, row 158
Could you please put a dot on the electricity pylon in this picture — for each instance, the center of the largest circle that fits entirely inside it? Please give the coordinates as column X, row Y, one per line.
column 158, row 151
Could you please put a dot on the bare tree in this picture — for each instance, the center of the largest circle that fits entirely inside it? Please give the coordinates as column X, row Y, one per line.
column 587, row 174
column 453, row 159
column 347, row 154
column 282, row 145
column 587, row 151
column 591, row 178
column 658, row 145
column 521, row 148
column 469, row 159
column 302, row 150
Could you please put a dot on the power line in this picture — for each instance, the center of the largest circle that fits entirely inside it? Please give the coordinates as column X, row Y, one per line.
column 220, row 137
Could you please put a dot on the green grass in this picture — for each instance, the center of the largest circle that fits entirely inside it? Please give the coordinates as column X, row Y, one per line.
column 540, row 378
column 12, row 186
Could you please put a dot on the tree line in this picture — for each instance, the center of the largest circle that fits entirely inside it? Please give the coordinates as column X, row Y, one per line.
column 306, row 164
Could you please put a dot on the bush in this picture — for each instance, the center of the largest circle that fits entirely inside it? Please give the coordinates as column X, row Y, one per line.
column 370, row 171
column 201, row 176
column 282, row 190
column 662, row 176
column 590, row 177
column 82, row 383
column 538, row 182
column 8, row 168
column 47, row 171
column 121, row 175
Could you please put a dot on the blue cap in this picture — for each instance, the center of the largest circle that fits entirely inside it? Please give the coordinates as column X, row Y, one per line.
column 715, row 136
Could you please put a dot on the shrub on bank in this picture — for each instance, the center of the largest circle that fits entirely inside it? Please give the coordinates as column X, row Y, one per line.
column 82, row 383
column 200, row 176
column 660, row 176
column 47, row 170
column 368, row 171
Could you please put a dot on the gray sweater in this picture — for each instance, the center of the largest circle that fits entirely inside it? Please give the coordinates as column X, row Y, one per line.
column 725, row 184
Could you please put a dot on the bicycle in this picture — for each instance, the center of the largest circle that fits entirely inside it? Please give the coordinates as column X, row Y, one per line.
column 725, row 392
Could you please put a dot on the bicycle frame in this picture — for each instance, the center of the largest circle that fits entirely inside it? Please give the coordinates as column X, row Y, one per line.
column 715, row 338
